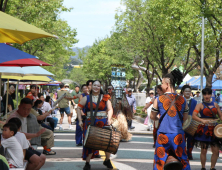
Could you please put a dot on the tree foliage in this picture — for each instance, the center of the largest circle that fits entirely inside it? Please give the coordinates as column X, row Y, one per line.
column 45, row 15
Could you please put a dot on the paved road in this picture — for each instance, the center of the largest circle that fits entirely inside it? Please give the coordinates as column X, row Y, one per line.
column 134, row 155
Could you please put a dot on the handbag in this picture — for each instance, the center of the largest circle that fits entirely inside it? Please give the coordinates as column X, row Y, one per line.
column 146, row 120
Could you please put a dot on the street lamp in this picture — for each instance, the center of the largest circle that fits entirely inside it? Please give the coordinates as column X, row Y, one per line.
column 202, row 57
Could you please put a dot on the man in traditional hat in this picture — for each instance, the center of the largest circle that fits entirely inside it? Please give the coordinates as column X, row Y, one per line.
column 132, row 102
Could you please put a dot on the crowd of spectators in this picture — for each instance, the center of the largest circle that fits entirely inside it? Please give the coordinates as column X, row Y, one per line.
column 31, row 124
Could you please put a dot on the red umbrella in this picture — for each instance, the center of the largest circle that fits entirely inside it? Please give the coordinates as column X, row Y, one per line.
column 25, row 62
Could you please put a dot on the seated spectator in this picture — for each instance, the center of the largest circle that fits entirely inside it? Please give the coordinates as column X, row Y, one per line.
column 13, row 153
column 32, row 93
column 47, row 105
column 35, row 159
column 47, row 108
column 47, row 137
column 37, row 106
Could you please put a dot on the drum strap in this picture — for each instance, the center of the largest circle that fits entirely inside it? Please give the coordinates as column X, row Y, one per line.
column 190, row 105
column 172, row 103
column 93, row 116
column 210, row 110
column 181, row 118
column 110, row 137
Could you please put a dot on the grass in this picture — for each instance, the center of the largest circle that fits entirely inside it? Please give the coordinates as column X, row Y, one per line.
column 139, row 112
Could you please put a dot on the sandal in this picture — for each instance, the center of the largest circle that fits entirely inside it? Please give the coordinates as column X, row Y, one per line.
column 49, row 152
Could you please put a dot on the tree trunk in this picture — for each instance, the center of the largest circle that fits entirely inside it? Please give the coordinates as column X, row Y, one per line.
column 3, row 4
column 209, row 80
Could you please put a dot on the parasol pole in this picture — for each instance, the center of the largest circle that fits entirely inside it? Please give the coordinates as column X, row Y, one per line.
column 17, row 93
column 202, row 58
column 1, row 91
column 6, row 107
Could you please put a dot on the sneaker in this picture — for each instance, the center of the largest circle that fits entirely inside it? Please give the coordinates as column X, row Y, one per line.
column 212, row 169
column 132, row 127
column 70, row 128
column 80, row 144
column 108, row 164
column 203, row 168
column 49, row 152
column 60, row 128
column 87, row 166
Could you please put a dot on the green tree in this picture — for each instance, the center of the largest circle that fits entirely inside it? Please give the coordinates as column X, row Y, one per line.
column 186, row 16
column 45, row 15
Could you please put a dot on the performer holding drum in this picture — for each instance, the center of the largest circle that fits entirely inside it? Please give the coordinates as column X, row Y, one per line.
column 186, row 91
column 173, row 110
column 204, row 134
column 102, row 119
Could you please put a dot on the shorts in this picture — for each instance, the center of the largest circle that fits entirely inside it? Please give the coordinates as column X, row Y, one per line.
column 30, row 152
column 66, row 110
column 11, row 165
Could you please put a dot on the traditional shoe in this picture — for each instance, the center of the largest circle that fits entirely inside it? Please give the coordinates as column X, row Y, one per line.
column 108, row 164
column 154, row 145
column 203, row 168
column 97, row 156
column 80, row 144
column 87, row 166
column 49, row 152
column 212, row 169
column 190, row 157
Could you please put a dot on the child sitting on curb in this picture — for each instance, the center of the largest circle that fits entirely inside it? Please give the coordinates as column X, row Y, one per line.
column 35, row 159
column 13, row 150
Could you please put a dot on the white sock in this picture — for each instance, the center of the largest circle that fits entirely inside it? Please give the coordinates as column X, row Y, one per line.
column 60, row 126
column 70, row 126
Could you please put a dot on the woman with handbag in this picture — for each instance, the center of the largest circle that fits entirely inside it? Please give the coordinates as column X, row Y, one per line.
column 102, row 108
column 204, row 134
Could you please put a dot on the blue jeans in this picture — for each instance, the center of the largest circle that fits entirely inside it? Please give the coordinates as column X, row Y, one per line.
column 47, row 127
column 55, row 121
column 66, row 110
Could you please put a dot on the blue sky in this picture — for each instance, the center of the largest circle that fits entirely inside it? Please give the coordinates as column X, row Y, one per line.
column 93, row 19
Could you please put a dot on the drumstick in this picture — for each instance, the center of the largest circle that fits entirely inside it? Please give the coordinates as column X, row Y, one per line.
column 215, row 120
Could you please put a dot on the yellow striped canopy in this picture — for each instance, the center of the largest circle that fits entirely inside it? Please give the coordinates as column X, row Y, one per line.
column 13, row 30
column 31, row 78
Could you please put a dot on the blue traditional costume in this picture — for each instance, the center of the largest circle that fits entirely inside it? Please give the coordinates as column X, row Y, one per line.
column 205, row 133
column 170, row 135
column 190, row 139
column 79, row 131
column 100, row 121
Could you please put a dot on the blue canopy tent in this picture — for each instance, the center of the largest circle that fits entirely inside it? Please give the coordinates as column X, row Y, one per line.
column 9, row 53
column 217, row 84
column 191, row 81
